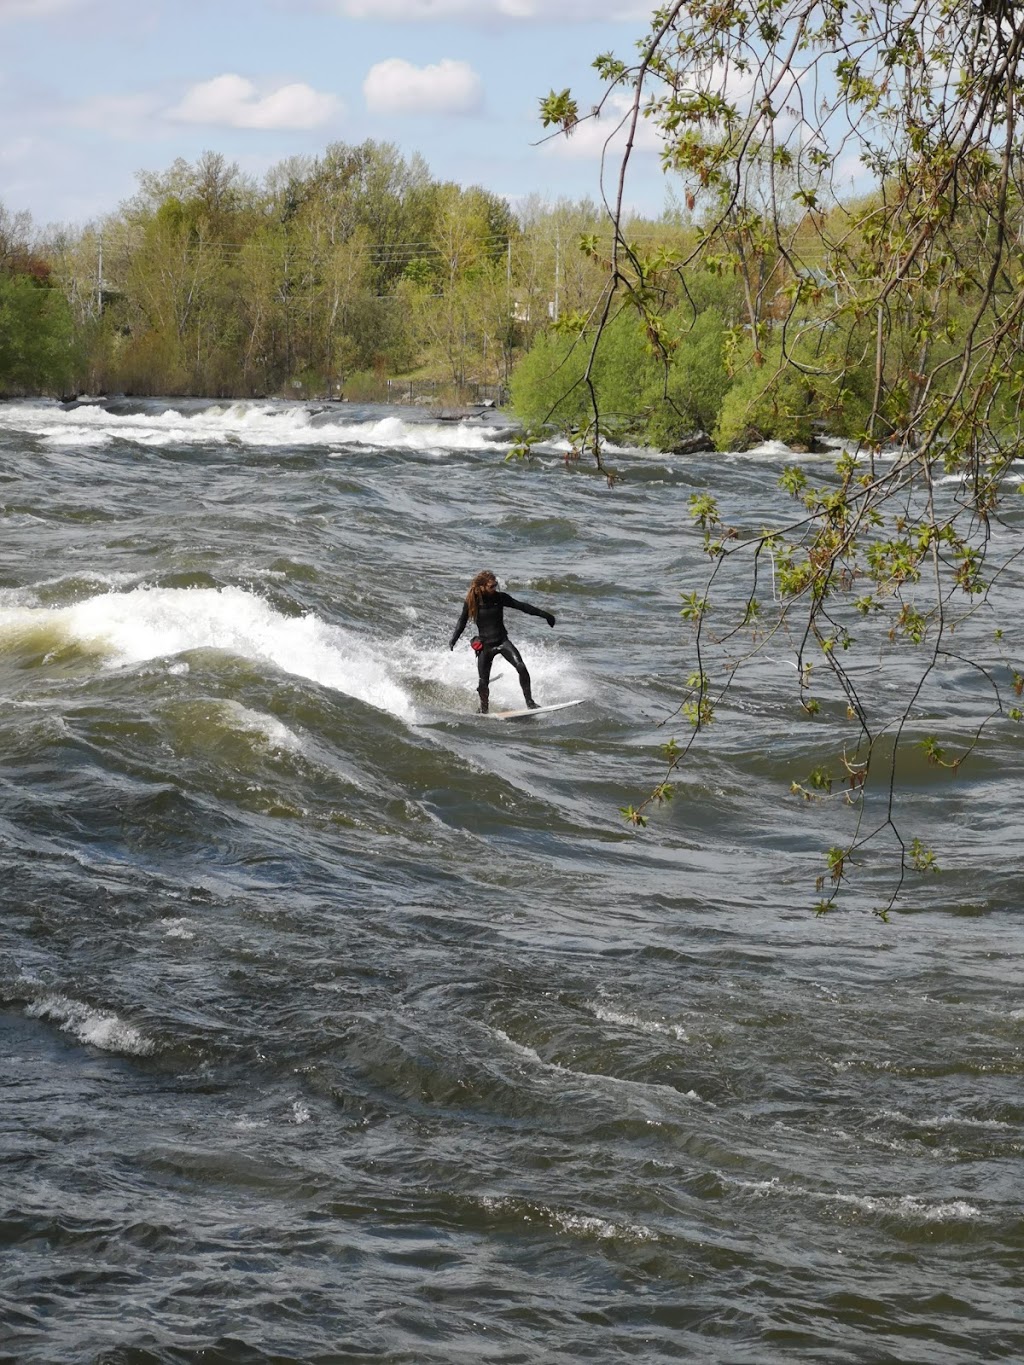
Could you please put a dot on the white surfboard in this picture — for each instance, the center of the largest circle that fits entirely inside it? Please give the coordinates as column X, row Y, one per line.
column 533, row 711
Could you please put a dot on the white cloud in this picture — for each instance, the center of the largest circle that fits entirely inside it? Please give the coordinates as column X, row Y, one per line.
column 231, row 101
column 396, row 86
column 551, row 11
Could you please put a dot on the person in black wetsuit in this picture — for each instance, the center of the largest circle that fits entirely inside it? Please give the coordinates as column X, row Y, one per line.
column 485, row 605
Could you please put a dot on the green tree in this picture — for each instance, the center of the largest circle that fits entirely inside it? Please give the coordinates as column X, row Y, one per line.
column 37, row 353
column 262, row 270
column 685, row 397
column 552, row 383
column 459, row 284
column 36, row 340
column 638, row 397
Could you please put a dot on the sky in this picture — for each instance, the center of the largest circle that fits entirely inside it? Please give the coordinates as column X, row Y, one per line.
column 93, row 91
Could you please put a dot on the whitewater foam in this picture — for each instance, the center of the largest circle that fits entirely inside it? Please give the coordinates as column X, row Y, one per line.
column 246, row 424
column 177, row 928
column 645, row 1088
column 144, row 624
column 773, row 450
column 898, row 1205
column 273, row 732
column 76, row 437
column 300, row 1112
column 394, row 433
column 627, row 1020
column 561, row 1220
column 99, row 1028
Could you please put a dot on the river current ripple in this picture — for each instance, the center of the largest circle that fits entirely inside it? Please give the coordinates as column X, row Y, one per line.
column 342, row 1024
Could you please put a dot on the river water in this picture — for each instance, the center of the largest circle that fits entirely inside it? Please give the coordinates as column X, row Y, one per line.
column 340, row 1023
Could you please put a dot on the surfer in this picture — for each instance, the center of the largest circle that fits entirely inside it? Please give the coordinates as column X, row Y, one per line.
column 485, row 605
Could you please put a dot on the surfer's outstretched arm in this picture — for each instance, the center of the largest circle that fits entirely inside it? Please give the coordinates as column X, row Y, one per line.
column 460, row 627
column 527, row 607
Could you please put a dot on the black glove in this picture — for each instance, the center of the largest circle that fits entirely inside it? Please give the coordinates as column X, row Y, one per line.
column 551, row 617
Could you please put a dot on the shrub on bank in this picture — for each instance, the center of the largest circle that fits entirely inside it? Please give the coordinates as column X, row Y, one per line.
column 36, row 348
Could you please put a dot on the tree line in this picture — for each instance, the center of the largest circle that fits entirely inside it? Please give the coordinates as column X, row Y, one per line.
column 331, row 275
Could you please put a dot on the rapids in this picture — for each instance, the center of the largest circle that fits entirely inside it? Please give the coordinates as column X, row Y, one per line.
column 343, row 1024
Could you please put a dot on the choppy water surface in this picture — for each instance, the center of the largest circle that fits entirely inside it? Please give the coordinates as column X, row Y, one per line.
column 340, row 1023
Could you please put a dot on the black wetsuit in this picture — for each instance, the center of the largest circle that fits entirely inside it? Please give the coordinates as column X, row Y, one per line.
column 490, row 626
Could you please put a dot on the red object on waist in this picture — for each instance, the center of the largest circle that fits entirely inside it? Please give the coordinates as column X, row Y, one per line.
column 476, row 644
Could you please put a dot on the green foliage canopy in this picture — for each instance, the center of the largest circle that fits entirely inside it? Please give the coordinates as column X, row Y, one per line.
column 36, row 336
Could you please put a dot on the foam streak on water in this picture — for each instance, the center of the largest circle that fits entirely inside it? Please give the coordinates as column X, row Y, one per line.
column 340, row 1023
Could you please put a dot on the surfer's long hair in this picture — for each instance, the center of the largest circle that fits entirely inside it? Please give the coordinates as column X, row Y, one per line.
column 482, row 585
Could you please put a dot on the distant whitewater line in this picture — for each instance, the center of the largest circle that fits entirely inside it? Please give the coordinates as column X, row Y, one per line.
column 271, row 424
column 280, row 424
column 250, row 423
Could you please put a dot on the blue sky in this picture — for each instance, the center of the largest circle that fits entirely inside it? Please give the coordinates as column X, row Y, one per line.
column 92, row 91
